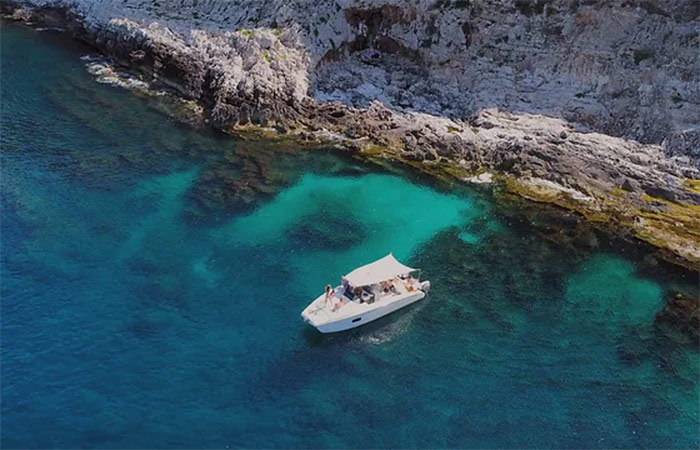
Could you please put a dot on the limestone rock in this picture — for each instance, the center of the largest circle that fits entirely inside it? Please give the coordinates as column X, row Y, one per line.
column 587, row 99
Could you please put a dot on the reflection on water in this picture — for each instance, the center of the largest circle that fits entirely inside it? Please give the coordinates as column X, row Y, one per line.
column 153, row 276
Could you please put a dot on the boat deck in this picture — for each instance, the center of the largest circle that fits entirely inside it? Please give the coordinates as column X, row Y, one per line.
column 322, row 311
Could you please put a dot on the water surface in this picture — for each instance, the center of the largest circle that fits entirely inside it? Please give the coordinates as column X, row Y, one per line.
column 145, row 305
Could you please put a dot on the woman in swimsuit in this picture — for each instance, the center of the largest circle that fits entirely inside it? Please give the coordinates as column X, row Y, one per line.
column 329, row 294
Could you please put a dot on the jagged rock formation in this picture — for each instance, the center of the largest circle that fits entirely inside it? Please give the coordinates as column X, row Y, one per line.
column 592, row 105
column 625, row 68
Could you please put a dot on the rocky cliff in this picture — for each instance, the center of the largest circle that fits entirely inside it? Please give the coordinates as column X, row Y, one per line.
column 592, row 105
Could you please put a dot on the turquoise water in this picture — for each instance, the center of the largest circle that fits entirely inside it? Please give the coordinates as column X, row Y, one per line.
column 145, row 305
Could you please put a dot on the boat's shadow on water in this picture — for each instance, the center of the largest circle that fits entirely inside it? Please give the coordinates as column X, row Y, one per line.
column 321, row 356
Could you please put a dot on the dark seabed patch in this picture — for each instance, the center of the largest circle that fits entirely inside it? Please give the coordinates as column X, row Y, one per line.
column 329, row 230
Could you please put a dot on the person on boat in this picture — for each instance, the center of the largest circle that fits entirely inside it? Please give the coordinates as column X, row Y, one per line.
column 329, row 294
column 410, row 284
column 341, row 302
column 357, row 292
column 386, row 286
column 393, row 289
column 340, row 292
column 390, row 286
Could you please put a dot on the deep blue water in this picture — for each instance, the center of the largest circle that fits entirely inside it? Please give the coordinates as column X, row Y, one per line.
column 145, row 306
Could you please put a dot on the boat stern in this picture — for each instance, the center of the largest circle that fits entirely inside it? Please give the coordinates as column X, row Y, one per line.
column 425, row 286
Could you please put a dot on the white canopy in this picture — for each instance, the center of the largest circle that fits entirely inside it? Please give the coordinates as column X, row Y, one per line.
column 381, row 270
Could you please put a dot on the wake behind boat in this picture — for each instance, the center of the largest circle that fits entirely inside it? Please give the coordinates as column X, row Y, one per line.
column 366, row 294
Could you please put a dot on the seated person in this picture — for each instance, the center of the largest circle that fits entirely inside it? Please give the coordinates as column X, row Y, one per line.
column 410, row 284
column 338, row 293
column 357, row 292
column 388, row 286
column 384, row 286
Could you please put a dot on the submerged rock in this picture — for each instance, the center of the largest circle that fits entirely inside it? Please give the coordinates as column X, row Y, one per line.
column 239, row 181
column 681, row 312
column 335, row 230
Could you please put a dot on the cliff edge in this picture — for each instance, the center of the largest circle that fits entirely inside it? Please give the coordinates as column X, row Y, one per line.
column 589, row 104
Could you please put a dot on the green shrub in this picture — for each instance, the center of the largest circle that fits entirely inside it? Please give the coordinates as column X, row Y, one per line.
column 641, row 55
column 530, row 7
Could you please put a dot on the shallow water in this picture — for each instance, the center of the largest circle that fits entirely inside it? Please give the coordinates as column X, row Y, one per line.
column 142, row 307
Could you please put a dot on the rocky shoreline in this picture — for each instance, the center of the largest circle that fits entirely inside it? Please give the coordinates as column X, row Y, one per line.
column 376, row 78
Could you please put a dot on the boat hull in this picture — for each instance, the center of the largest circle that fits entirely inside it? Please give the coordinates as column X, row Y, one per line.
column 371, row 315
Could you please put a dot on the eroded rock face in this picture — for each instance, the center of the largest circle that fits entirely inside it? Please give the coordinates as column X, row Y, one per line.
column 624, row 68
column 592, row 105
column 615, row 67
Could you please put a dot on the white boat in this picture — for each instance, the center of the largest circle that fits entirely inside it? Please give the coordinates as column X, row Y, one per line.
column 367, row 293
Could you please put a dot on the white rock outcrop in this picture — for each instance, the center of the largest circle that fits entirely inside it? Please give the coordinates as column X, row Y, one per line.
column 593, row 100
column 625, row 68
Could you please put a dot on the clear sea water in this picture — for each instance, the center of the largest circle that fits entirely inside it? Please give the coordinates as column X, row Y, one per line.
column 141, row 309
